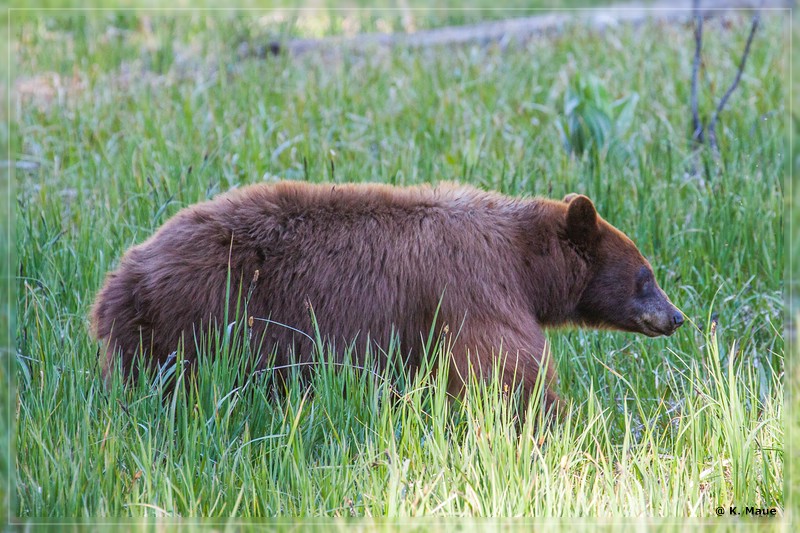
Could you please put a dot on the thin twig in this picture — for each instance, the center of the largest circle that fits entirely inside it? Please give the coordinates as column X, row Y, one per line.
column 712, row 134
column 697, row 126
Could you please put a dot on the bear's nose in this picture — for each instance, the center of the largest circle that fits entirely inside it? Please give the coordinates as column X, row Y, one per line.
column 677, row 319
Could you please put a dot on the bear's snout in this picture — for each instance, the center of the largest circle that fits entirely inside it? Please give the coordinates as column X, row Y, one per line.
column 661, row 322
column 677, row 319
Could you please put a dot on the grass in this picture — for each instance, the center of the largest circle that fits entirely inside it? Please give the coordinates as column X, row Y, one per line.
column 124, row 127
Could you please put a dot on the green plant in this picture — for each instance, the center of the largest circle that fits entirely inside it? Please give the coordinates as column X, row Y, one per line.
column 591, row 121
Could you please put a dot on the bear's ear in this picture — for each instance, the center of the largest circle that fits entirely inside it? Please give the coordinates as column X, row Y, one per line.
column 571, row 196
column 581, row 220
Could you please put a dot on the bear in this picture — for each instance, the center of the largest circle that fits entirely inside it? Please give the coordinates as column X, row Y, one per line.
column 375, row 261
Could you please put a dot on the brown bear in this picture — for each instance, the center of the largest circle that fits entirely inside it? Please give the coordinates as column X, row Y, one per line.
column 375, row 261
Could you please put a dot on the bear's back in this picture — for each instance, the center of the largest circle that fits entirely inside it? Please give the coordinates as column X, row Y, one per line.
column 369, row 260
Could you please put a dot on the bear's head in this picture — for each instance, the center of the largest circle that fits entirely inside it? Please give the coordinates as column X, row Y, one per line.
column 621, row 292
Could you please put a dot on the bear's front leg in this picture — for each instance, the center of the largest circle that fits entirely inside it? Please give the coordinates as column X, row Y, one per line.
column 519, row 352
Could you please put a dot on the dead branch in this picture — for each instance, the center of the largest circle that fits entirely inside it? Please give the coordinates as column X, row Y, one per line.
column 712, row 124
column 516, row 29
column 697, row 126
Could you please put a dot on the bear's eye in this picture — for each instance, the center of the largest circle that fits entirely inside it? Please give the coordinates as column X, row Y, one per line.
column 644, row 280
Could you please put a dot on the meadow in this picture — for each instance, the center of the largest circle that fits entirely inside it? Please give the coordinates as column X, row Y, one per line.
column 119, row 119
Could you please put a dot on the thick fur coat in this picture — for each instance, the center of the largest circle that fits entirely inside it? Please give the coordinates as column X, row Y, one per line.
column 377, row 260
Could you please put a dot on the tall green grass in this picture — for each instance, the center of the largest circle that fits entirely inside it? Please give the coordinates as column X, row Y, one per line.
column 122, row 128
column 345, row 442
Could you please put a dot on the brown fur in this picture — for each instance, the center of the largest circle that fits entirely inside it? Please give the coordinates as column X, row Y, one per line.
column 372, row 259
